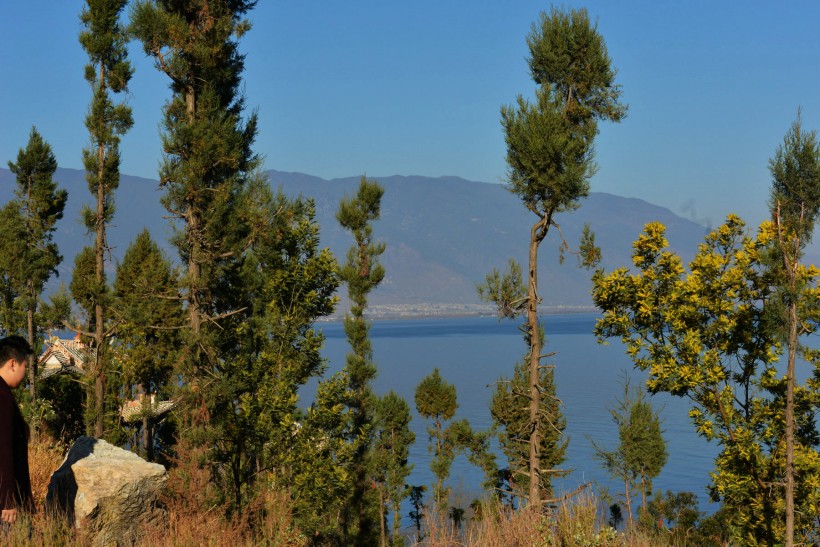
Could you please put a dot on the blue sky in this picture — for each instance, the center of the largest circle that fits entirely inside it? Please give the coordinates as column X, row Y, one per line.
column 384, row 88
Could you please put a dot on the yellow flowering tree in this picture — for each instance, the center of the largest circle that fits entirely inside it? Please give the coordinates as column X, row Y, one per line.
column 702, row 334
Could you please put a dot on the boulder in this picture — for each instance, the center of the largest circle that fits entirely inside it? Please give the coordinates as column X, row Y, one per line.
column 106, row 490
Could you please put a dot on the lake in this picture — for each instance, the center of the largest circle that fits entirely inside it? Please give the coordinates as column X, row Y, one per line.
column 474, row 352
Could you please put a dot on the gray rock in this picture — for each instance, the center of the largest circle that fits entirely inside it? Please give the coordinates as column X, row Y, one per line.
column 107, row 490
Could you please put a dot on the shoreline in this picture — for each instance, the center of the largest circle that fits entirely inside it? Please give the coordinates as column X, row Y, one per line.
column 447, row 311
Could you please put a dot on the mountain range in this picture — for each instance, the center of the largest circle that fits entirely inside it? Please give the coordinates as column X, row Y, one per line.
column 443, row 235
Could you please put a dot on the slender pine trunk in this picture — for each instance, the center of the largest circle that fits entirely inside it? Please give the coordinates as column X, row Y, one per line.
column 537, row 234
column 790, row 424
column 32, row 305
column 628, row 500
column 382, row 530
column 32, row 361
column 99, row 318
column 396, row 521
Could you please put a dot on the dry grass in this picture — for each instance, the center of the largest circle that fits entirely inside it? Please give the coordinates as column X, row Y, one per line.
column 195, row 517
column 43, row 528
column 578, row 522
column 44, row 457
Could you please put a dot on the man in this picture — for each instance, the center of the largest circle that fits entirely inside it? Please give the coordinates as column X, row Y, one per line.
column 15, row 483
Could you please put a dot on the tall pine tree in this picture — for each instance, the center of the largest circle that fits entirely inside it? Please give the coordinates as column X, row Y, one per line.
column 105, row 41
column 207, row 162
column 795, row 207
column 39, row 205
column 362, row 273
column 550, row 158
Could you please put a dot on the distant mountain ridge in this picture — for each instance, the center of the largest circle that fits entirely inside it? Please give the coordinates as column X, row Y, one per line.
column 443, row 235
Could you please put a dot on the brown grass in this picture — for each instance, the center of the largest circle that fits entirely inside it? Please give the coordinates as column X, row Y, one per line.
column 44, row 457
column 195, row 517
column 578, row 522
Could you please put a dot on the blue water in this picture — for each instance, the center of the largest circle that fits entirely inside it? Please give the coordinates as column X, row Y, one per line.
column 475, row 352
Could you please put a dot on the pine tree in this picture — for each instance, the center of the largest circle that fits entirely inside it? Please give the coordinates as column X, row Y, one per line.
column 207, row 162
column 436, row 400
column 362, row 273
column 795, row 207
column 147, row 311
column 12, row 270
column 39, row 205
column 391, row 449
column 641, row 451
column 505, row 408
column 550, row 158
column 109, row 71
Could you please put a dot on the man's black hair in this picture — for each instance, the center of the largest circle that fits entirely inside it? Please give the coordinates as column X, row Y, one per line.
column 14, row 347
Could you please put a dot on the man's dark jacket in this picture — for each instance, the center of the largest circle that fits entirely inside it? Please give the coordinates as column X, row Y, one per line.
column 15, row 483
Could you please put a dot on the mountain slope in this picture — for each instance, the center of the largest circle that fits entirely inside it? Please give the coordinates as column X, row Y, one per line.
column 443, row 235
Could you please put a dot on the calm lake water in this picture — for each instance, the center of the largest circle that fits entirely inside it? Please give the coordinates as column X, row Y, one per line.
column 475, row 352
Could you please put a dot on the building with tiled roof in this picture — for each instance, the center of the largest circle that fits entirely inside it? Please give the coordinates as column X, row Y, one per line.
column 64, row 355
column 133, row 411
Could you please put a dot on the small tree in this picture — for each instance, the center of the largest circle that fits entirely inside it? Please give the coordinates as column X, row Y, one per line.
column 391, row 450
column 511, row 395
column 417, row 502
column 641, row 451
column 147, row 311
column 436, row 400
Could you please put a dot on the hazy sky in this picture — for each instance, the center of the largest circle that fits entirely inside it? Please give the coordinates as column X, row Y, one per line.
column 384, row 88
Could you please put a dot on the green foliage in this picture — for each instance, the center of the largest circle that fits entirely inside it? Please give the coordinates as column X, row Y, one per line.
column 362, row 273
column 476, row 445
column 148, row 314
column 391, row 450
column 506, row 290
column 318, row 465
column 207, row 167
column 436, row 400
column 549, row 142
column 702, row 334
column 550, row 158
column 85, row 289
column 795, row 194
column 39, row 205
column 66, row 394
column 417, row 502
column 795, row 203
column 672, row 515
column 288, row 282
column 105, row 41
column 109, row 71
column 641, row 451
column 58, row 409
column 12, row 270
column 510, row 397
